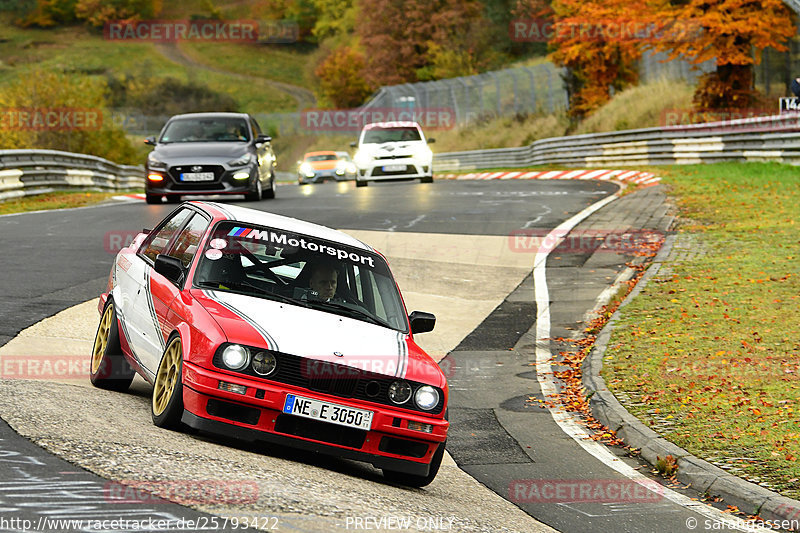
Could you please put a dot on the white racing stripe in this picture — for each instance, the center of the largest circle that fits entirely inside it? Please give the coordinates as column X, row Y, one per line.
column 565, row 420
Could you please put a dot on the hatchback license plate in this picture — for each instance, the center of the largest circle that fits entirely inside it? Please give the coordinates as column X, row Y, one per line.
column 328, row 412
column 197, row 176
column 393, row 168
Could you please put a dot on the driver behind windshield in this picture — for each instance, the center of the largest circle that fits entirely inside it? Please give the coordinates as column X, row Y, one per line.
column 324, row 280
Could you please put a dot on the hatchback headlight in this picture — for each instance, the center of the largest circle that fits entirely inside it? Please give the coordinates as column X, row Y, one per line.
column 399, row 392
column 154, row 162
column 236, row 357
column 241, row 161
column 362, row 158
column 306, row 169
column 426, row 397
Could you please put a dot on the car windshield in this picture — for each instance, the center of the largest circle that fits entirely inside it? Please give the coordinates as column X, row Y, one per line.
column 213, row 129
column 385, row 135
column 324, row 157
column 281, row 265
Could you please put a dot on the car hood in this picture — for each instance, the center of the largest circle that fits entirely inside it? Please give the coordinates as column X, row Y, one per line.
column 323, row 165
column 392, row 148
column 319, row 335
column 187, row 153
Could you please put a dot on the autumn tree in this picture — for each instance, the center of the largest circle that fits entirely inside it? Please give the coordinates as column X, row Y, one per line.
column 420, row 39
column 732, row 33
column 95, row 12
column 599, row 42
column 341, row 78
column 41, row 91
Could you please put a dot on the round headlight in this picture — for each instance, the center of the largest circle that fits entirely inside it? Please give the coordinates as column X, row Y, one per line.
column 264, row 363
column 426, row 397
column 236, row 357
column 399, row 392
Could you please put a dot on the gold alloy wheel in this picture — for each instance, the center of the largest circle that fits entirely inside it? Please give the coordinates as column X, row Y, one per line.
column 101, row 340
column 167, row 377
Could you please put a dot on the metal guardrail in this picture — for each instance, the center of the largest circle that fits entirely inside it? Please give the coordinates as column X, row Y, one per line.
column 774, row 138
column 29, row 172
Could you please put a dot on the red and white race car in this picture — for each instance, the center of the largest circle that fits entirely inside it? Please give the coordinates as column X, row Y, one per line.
column 269, row 328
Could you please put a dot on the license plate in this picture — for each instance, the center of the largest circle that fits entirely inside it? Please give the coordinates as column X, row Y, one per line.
column 328, row 412
column 393, row 168
column 197, row 176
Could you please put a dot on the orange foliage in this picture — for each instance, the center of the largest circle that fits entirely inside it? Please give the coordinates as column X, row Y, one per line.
column 341, row 77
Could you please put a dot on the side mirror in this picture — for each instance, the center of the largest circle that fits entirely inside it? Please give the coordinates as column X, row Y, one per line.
column 169, row 267
column 150, row 141
column 421, row 322
column 353, row 144
column 261, row 139
column 431, row 140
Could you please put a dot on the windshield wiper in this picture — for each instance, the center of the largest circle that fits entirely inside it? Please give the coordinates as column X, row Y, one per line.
column 352, row 310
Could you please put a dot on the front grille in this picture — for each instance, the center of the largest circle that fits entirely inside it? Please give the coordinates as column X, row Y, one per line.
column 334, row 379
column 321, row 431
column 398, row 156
column 408, row 169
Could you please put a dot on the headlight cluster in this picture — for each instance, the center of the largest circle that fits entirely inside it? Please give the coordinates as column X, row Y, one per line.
column 307, row 170
column 237, row 357
column 155, row 162
column 362, row 158
column 426, row 397
column 241, row 161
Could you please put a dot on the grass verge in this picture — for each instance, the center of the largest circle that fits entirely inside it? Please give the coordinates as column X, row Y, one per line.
column 55, row 200
column 708, row 353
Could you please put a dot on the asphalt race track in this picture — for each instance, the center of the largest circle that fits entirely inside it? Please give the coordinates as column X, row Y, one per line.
column 55, row 260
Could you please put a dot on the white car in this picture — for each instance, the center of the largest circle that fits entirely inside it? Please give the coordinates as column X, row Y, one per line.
column 393, row 151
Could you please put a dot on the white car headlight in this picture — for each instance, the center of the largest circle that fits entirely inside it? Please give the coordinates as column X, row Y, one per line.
column 241, row 161
column 236, row 357
column 424, row 153
column 155, row 162
column 426, row 397
column 264, row 363
column 362, row 159
column 306, row 169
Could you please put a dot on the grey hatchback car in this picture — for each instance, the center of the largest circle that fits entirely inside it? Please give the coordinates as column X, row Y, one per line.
column 210, row 153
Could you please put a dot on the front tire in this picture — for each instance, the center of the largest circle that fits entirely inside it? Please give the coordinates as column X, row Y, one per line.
column 254, row 196
column 167, row 404
column 152, row 199
column 109, row 369
column 411, row 480
column 270, row 193
column 361, row 183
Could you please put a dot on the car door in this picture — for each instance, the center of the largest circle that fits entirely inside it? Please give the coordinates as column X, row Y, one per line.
column 142, row 326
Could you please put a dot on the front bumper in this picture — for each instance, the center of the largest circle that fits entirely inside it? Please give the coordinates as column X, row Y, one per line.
column 223, row 182
column 382, row 169
column 321, row 176
column 257, row 416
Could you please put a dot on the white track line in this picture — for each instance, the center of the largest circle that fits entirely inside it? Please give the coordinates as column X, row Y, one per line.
column 565, row 420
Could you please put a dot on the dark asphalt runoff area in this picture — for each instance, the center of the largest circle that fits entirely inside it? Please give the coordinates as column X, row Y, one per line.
column 53, row 260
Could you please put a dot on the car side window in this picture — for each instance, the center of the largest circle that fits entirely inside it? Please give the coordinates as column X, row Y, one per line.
column 189, row 238
column 157, row 242
column 256, row 129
